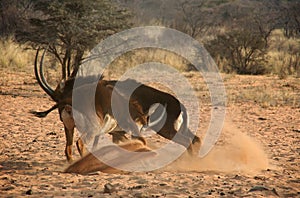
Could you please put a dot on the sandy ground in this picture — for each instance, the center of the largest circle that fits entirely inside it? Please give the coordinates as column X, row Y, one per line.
column 257, row 154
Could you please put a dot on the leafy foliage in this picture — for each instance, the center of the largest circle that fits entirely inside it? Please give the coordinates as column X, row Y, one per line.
column 71, row 27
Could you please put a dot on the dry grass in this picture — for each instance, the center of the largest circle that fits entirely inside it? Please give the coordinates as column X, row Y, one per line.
column 284, row 56
column 14, row 56
column 140, row 56
column 266, row 91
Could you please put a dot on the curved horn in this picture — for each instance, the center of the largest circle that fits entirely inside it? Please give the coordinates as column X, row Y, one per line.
column 158, row 120
column 40, row 77
column 155, row 122
column 109, row 124
column 42, row 73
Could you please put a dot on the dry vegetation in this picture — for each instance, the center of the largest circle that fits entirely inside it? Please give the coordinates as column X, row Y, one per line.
column 284, row 58
column 13, row 56
column 140, row 56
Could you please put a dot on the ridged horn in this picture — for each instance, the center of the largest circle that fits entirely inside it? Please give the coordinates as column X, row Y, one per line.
column 40, row 76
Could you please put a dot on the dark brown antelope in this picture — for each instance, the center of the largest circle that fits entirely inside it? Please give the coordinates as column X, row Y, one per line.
column 141, row 100
column 62, row 95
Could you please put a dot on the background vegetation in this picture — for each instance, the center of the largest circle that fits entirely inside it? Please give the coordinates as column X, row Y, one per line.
column 243, row 36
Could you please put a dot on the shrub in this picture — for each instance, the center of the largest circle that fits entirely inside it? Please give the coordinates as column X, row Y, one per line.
column 242, row 51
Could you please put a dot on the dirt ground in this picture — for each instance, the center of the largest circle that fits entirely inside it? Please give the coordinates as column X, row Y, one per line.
column 257, row 154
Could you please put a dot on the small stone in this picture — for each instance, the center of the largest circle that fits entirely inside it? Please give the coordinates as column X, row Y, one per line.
column 222, row 193
column 296, row 130
column 261, row 118
column 108, row 188
column 9, row 188
column 29, row 192
column 137, row 187
column 51, row 133
column 258, row 188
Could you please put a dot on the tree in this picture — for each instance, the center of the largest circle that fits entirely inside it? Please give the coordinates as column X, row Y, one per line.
column 266, row 18
column 71, row 27
column 9, row 17
column 244, row 51
column 291, row 19
column 244, row 40
column 194, row 17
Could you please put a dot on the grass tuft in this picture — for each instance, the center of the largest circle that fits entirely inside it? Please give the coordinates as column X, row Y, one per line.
column 13, row 56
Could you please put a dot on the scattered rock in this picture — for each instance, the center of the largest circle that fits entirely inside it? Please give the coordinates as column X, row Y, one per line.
column 262, row 119
column 137, row 187
column 258, row 188
column 51, row 133
column 259, row 178
column 296, row 130
column 211, row 191
column 263, row 188
column 237, row 177
column 29, row 192
column 109, row 188
column 9, row 188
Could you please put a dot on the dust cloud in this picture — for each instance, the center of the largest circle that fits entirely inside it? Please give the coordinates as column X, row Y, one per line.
column 235, row 152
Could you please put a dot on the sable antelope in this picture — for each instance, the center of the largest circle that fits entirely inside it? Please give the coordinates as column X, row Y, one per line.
column 90, row 163
column 141, row 100
column 62, row 95
column 103, row 107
